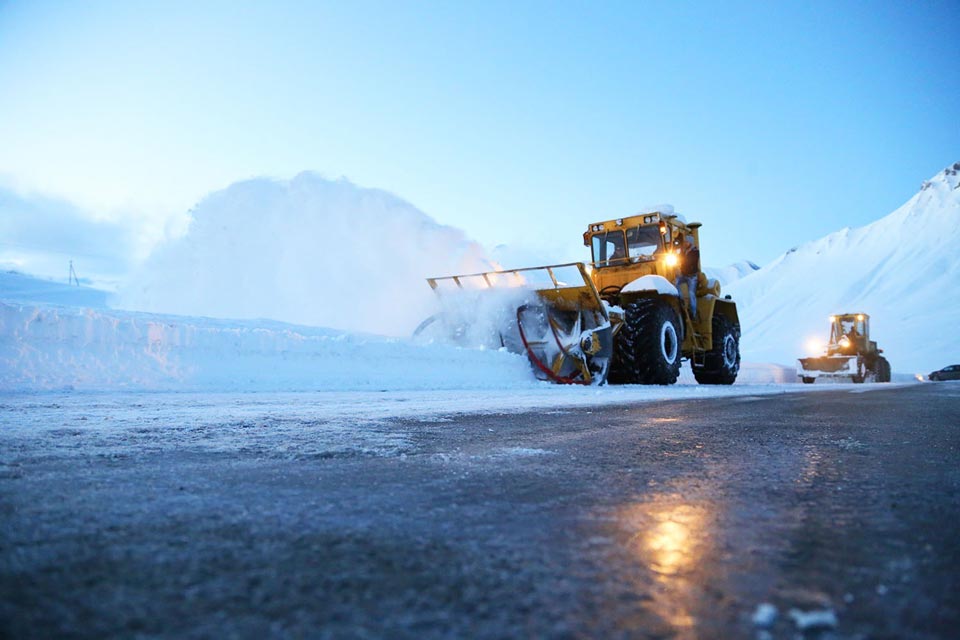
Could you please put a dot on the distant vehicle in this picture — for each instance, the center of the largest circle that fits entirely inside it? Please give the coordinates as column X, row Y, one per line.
column 947, row 373
column 851, row 354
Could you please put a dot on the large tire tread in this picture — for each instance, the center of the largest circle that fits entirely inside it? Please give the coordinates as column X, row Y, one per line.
column 638, row 356
column 884, row 373
column 716, row 370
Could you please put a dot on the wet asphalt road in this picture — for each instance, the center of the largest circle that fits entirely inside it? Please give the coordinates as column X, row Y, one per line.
column 669, row 519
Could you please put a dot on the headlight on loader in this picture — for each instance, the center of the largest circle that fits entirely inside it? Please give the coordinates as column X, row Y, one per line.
column 671, row 259
column 844, row 342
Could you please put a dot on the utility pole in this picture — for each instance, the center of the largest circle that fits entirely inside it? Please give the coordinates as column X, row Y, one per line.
column 73, row 279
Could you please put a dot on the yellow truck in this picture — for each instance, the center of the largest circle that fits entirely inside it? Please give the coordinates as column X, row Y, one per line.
column 619, row 317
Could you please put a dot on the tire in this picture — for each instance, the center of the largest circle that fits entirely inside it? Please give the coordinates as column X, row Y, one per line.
column 808, row 379
column 883, row 370
column 647, row 349
column 722, row 363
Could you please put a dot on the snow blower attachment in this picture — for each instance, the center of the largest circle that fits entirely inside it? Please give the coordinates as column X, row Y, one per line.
column 850, row 354
column 552, row 314
column 618, row 318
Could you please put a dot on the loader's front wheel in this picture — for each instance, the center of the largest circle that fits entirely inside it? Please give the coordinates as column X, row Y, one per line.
column 722, row 363
column 648, row 344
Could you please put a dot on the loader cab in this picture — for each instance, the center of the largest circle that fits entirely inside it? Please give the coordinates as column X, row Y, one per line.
column 632, row 240
column 849, row 333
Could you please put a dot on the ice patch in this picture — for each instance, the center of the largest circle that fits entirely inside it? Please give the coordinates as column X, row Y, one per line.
column 523, row 452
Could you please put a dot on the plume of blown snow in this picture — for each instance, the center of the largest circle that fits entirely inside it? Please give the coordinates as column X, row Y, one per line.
column 901, row 269
column 308, row 251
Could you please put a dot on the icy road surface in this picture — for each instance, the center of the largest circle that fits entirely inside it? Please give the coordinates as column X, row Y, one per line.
column 397, row 515
column 300, row 424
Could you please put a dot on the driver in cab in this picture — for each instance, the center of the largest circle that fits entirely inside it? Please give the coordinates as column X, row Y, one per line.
column 688, row 268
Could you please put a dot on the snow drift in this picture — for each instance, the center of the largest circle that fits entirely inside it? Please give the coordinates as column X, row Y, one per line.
column 52, row 347
column 902, row 270
column 309, row 251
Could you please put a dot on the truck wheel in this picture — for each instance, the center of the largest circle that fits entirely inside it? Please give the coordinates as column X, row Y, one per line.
column 808, row 379
column 648, row 344
column 884, row 373
column 722, row 363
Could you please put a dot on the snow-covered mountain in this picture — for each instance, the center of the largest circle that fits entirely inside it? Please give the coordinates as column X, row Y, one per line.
column 309, row 251
column 731, row 273
column 903, row 270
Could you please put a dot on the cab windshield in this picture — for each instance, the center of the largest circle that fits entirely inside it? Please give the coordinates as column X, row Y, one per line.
column 643, row 242
column 639, row 243
column 608, row 248
column 850, row 326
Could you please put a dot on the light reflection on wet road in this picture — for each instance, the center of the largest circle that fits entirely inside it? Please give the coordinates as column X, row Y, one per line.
column 670, row 539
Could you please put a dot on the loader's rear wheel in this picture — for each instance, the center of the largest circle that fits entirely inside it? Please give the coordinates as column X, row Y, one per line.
column 722, row 363
column 883, row 370
column 648, row 344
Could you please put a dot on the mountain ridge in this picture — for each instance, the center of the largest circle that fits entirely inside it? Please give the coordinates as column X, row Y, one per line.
column 900, row 269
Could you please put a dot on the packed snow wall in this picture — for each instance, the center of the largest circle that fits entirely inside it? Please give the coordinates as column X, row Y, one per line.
column 48, row 347
column 308, row 251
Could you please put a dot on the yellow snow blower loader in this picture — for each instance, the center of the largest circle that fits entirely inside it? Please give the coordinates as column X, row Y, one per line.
column 619, row 318
column 850, row 354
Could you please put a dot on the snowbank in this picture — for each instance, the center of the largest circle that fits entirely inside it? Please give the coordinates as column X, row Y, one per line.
column 44, row 348
column 59, row 347
column 901, row 269
column 309, row 251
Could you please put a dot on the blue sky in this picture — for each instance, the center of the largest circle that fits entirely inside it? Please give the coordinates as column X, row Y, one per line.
column 520, row 122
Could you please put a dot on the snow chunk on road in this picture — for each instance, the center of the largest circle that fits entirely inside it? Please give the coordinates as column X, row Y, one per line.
column 816, row 619
column 765, row 615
